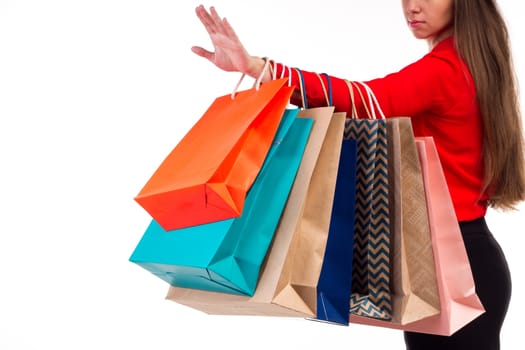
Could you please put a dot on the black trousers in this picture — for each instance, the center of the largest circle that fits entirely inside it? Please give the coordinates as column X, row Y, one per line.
column 493, row 285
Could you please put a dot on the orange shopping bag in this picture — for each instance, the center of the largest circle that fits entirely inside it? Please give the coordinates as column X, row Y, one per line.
column 206, row 176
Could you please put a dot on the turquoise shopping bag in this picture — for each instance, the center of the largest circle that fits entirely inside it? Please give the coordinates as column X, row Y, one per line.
column 226, row 256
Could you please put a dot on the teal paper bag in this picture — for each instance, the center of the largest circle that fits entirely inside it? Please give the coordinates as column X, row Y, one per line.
column 226, row 256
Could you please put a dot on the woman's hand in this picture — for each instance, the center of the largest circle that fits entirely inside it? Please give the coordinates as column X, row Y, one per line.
column 230, row 54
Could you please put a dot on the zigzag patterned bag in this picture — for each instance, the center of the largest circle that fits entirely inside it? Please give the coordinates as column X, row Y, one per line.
column 371, row 257
column 414, row 289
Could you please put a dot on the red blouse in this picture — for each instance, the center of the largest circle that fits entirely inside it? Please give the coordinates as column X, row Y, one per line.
column 438, row 93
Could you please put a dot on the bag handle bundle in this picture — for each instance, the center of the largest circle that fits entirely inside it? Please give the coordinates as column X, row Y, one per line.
column 372, row 100
column 258, row 81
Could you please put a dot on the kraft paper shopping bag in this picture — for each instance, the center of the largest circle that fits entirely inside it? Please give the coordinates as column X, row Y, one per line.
column 414, row 285
column 315, row 276
column 302, row 282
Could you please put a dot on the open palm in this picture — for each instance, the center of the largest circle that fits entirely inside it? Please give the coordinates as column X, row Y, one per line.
column 229, row 55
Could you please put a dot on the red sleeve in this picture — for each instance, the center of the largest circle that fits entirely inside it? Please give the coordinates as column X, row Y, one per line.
column 432, row 84
column 427, row 84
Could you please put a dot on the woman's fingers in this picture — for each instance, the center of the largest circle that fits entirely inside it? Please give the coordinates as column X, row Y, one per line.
column 222, row 25
column 217, row 20
column 229, row 32
column 206, row 20
column 229, row 54
column 202, row 52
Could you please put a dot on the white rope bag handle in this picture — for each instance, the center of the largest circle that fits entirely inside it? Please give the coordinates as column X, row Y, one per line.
column 374, row 104
column 257, row 83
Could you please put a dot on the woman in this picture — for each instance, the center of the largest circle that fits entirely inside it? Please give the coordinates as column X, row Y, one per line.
column 463, row 93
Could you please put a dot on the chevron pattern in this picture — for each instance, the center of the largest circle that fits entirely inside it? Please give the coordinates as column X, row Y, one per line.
column 371, row 295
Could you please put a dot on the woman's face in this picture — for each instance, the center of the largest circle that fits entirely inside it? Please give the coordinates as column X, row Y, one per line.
column 429, row 19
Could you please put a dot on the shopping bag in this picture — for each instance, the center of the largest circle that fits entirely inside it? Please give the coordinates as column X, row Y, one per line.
column 308, row 208
column 414, row 286
column 226, row 255
column 371, row 252
column 459, row 302
column 317, row 271
column 413, row 280
column 304, row 284
column 206, row 177
column 334, row 286
column 334, row 279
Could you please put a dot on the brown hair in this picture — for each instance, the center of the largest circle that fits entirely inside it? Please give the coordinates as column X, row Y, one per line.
column 482, row 40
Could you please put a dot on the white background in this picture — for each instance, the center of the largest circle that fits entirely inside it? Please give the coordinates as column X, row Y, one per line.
column 93, row 95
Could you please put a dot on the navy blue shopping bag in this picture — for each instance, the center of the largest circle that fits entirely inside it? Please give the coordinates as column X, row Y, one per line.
column 334, row 286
